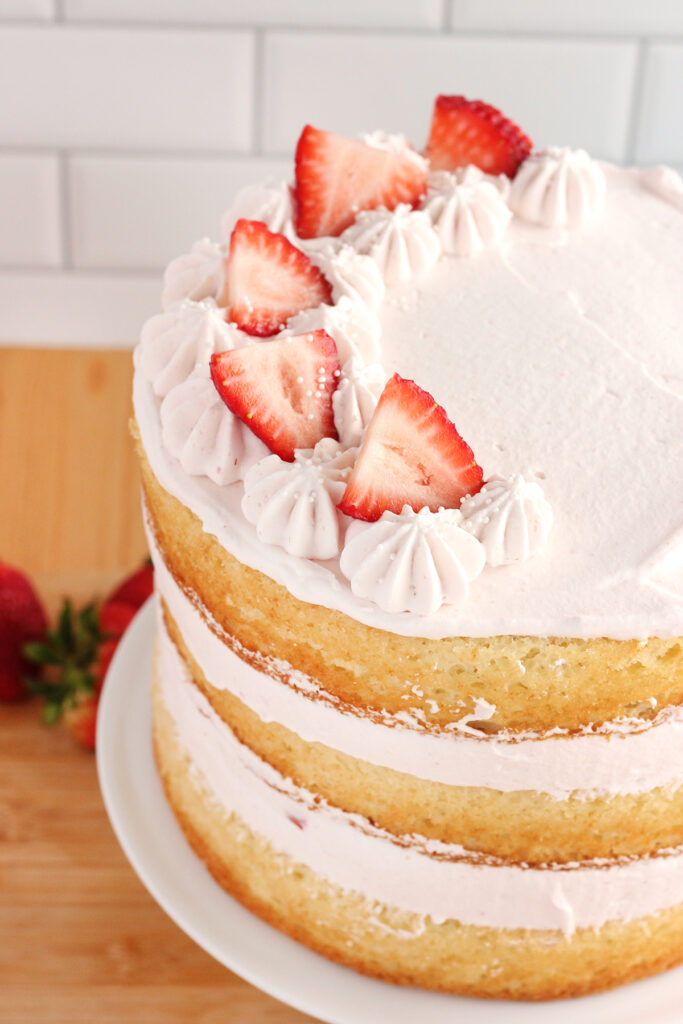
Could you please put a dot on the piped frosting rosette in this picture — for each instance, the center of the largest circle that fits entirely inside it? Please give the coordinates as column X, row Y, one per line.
column 413, row 561
column 395, row 142
column 200, row 431
column 467, row 216
column 195, row 275
column 472, row 175
column 664, row 182
column 351, row 274
column 294, row 504
column 355, row 329
column 355, row 399
column 174, row 342
column 510, row 517
column 402, row 241
column 270, row 203
column 558, row 188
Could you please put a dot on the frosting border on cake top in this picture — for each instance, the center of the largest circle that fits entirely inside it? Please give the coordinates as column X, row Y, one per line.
column 612, row 568
column 646, row 754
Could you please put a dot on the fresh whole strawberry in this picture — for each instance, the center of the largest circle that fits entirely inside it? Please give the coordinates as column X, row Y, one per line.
column 68, row 656
column 105, row 653
column 411, row 455
column 282, row 389
column 80, row 718
column 336, row 178
column 22, row 620
column 135, row 589
column 76, row 654
column 471, row 132
column 115, row 617
column 117, row 613
column 268, row 280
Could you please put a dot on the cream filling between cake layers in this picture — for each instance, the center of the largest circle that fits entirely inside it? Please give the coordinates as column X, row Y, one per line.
column 425, row 877
column 627, row 756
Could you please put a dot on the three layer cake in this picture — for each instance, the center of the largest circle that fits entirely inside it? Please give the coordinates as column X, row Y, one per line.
column 419, row 689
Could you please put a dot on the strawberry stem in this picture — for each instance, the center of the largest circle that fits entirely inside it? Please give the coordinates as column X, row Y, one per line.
column 67, row 657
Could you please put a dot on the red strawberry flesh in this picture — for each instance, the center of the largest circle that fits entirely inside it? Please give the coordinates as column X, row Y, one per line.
column 136, row 588
column 268, row 280
column 471, row 132
column 411, row 455
column 22, row 620
column 115, row 617
column 282, row 389
column 105, row 654
column 80, row 719
column 336, row 178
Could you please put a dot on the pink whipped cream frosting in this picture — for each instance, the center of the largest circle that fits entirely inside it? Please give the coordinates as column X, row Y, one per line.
column 630, row 755
column 424, row 877
column 551, row 335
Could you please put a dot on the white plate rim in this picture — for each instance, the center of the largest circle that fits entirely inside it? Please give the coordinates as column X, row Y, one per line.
column 157, row 850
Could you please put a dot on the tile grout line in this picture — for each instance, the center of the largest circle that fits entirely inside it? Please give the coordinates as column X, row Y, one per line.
column 257, row 97
column 230, row 26
column 65, row 210
column 134, row 273
column 446, row 17
column 421, row 32
column 128, row 153
column 636, row 102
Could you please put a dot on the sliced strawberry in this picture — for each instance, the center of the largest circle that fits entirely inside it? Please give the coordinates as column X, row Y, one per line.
column 338, row 177
column 267, row 280
column 411, row 455
column 471, row 132
column 282, row 389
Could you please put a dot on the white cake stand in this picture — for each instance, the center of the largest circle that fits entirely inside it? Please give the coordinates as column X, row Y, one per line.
column 181, row 884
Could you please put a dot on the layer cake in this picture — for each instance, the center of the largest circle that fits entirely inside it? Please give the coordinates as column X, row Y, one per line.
column 436, row 736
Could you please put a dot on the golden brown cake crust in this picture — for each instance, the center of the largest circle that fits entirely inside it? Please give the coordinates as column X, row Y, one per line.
column 519, row 826
column 396, row 946
column 600, row 680
column 369, row 669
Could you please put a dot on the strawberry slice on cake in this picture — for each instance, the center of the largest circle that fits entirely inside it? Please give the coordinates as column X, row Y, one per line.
column 471, row 132
column 411, row 455
column 282, row 389
column 268, row 280
column 336, row 178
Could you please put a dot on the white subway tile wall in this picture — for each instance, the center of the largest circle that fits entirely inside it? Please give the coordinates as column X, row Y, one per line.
column 27, row 10
column 76, row 310
column 660, row 135
column 611, row 17
column 362, row 13
column 395, row 78
column 31, row 222
column 126, row 88
column 177, row 200
column 131, row 123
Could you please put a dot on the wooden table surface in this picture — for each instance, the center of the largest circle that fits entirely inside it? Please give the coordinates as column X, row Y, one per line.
column 81, row 940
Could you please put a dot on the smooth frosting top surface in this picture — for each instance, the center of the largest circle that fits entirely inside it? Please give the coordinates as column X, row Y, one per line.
column 562, row 360
column 557, row 354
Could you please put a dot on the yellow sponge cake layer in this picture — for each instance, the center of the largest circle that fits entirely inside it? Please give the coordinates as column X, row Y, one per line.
column 535, row 683
column 397, row 943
